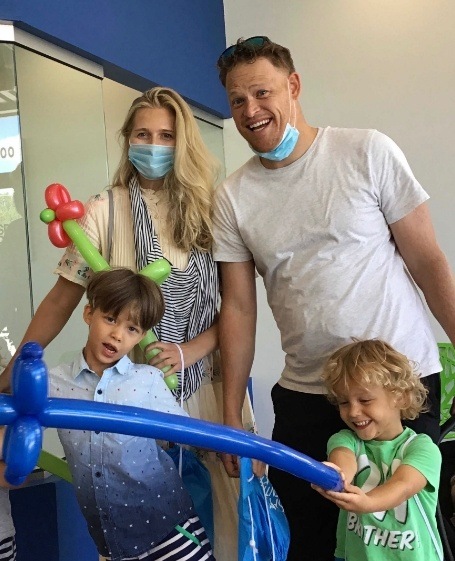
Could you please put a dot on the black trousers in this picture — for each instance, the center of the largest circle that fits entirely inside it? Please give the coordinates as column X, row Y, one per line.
column 305, row 422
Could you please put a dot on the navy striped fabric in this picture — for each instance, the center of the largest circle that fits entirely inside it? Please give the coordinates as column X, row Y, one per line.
column 177, row 546
column 8, row 549
column 191, row 296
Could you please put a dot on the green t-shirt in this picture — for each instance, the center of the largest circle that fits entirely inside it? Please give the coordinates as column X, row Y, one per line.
column 409, row 531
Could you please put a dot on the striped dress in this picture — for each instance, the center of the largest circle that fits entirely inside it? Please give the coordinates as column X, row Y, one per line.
column 7, row 542
column 8, row 549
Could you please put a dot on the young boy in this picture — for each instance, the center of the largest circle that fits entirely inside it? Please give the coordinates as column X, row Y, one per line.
column 390, row 473
column 127, row 487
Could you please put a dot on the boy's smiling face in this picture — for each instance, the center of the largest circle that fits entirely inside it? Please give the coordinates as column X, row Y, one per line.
column 110, row 338
column 373, row 413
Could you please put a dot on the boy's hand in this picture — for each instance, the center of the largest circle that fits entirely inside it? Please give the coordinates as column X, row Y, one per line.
column 335, row 467
column 324, row 492
column 352, row 498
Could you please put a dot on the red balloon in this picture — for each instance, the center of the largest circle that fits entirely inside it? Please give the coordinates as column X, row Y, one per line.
column 70, row 211
column 55, row 195
column 57, row 234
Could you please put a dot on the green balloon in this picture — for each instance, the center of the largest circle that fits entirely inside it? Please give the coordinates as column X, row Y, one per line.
column 158, row 270
column 171, row 381
column 47, row 215
column 90, row 254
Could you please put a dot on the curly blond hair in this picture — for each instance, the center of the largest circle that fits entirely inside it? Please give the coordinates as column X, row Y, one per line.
column 376, row 363
column 190, row 182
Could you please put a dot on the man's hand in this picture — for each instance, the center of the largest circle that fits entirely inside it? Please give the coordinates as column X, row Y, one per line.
column 259, row 468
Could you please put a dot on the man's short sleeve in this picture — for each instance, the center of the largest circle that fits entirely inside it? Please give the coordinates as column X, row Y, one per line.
column 397, row 190
column 228, row 243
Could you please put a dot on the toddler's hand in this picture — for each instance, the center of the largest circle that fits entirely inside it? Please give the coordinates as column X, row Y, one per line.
column 337, row 468
column 322, row 491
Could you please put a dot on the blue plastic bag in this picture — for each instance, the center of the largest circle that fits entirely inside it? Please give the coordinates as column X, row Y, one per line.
column 197, row 481
column 263, row 527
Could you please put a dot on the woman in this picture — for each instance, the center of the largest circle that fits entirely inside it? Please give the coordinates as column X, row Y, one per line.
column 161, row 194
column 161, row 207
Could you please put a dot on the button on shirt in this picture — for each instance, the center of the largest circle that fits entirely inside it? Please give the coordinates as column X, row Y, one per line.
column 128, row 488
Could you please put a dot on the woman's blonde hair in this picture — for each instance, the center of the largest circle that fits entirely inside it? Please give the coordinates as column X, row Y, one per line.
column 190, row 182
column 376, row 363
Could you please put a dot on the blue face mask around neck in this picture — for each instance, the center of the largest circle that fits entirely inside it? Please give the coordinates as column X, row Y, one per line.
column 288, row 141
column 153, row 161
column 284, row 148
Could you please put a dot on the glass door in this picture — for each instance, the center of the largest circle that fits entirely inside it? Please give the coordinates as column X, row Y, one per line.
column 15, row 297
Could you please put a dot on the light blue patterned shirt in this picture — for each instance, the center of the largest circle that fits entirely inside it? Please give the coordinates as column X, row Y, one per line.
column 128, row 488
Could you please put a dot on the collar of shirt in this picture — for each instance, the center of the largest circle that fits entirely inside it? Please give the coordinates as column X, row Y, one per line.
column 80, row 366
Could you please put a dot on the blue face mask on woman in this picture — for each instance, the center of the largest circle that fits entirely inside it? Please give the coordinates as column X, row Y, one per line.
column 153, row 161
column 287, row 143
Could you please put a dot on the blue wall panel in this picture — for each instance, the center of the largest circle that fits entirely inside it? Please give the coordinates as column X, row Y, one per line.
column 75, row 543
column 140, row 43
column 49, row 524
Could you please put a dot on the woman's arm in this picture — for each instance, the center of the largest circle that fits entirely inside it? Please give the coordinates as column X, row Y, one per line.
column 50, row 318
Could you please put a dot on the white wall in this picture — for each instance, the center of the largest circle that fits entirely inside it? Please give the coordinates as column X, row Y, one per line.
column 384, row 64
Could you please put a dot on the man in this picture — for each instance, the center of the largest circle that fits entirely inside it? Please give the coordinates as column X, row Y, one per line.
column 336, row 224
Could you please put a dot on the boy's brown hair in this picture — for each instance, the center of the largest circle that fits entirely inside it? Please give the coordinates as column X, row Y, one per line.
column 114, row 290
column 374, row 362
column 246, row 51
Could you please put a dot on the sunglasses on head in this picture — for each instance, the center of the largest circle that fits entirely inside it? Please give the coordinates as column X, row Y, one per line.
column 257, row 41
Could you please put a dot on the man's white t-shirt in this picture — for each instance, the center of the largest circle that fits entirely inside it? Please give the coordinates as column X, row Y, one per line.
column 318, row 232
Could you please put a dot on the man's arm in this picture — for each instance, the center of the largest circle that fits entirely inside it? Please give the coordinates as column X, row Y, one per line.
column 237, row 332
column 50, row 318
column 416, row 241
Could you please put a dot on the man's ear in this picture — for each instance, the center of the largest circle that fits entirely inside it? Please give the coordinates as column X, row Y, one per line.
column 88, row 313
column 295, row 86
